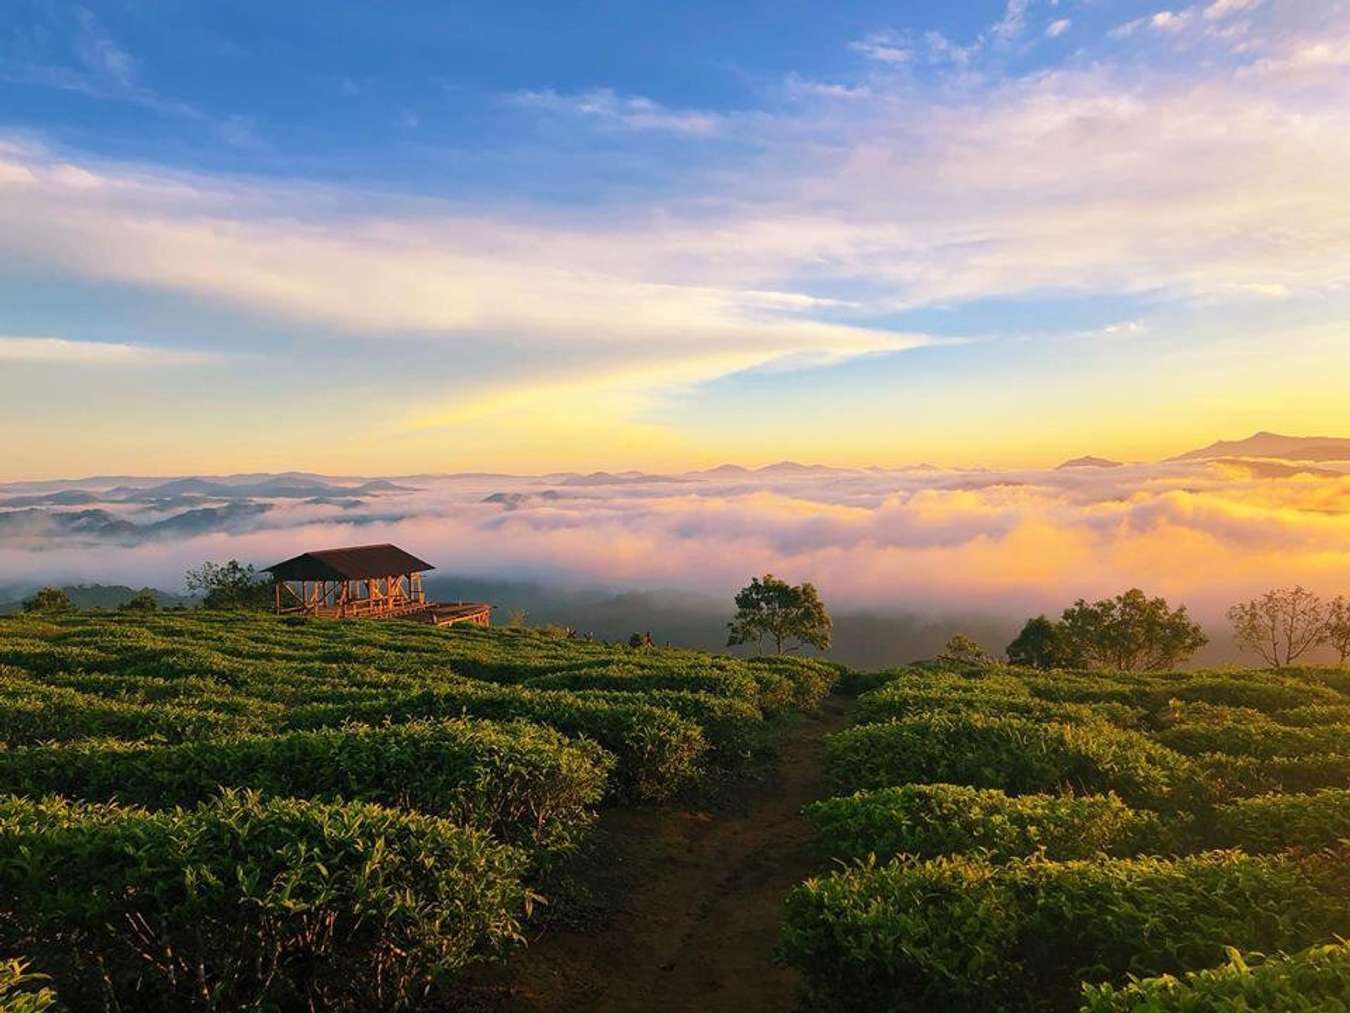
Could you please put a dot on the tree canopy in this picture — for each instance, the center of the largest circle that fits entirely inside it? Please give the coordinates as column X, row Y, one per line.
column 1131, row 632
column 790, row 617
column 48, row 599
column 1282, row 625
column 1043, row 644
column 229, row 585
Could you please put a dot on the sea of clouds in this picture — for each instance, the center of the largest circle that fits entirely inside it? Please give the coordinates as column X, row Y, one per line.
column 924, row 543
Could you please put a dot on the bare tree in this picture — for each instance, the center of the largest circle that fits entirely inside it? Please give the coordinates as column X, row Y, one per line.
column 1338, row 627
column 1281, row 625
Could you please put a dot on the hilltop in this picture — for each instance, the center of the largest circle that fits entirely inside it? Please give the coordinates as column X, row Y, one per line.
column 1289, row 448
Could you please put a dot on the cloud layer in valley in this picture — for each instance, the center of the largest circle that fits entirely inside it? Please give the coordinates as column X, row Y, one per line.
column 922, row 542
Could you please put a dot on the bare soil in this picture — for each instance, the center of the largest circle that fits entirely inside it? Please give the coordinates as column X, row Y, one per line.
column 689, row 901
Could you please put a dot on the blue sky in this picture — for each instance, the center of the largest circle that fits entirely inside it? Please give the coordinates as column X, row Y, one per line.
column 602, row 235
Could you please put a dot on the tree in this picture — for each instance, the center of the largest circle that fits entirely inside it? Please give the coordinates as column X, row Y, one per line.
column 771, row 609
column 1281, row 626
column 1043, row 644
column 1131, row 632
column 1338, row 628
column 48, row 599
column 964, row 651
column 229, row 586
column 142, row 601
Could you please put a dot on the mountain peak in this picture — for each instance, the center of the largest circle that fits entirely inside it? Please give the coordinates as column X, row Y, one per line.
column 1267, row 444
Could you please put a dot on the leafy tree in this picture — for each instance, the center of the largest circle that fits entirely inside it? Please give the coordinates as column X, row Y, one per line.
column 1281, row 626
column 790, row 617
column 1131, row 632
column 142, row 601
column 229, row 586
column 516, row 619
column 48, row 599
column 964, row 651
column 1043, row 644
column 1338, row 627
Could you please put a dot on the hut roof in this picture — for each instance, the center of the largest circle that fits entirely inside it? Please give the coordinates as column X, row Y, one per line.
column 355, row 562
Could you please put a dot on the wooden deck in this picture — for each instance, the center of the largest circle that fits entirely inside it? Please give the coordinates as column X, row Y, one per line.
column 433, row 613
column 447, row 613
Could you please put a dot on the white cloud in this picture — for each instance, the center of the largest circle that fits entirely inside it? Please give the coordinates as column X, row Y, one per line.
column 883, row 47
column 633, row 111
column 1226, row 8
column 1057, row 28
column 63, row 352
column 1013, row 22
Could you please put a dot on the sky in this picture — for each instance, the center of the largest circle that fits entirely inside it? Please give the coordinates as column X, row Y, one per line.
column 433, row 237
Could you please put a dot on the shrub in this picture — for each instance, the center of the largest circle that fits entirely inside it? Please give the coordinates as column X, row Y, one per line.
column 1014, row 754
column 811, row 678
column 1253, row 738
column 904, row 699
column 962, row 933
column 56, row 714
column 1313, row 715
column 929, row 820
column 20, row 991
column 1222, row 776
column 1316, row 980
column 246, row 903
column 525, row 783
column 738, row 684
column 1268, row 823
column 657, row 750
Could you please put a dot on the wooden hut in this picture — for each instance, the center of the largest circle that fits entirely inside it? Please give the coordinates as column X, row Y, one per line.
column 364, row 582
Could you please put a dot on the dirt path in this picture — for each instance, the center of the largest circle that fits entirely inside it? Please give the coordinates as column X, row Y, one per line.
column 697, row 898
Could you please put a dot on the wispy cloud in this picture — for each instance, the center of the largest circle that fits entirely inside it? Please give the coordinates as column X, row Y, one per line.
column 634, row 112
column 63, row 352
column 93, row 64
column 1057, row 28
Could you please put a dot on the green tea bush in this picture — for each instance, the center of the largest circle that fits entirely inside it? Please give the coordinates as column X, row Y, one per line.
column 1314, row 715
column 1250, row 738
column 1223, row 776
column 1017, row 755
column 58, row 714
column 811, row 679
column 1315, row 980
column 657, row 750
column 905, row 699
column 22, row 991
column 251, row 903
column 525, row 783
column 616, row 679
column 1269, row 823
column 929, row 820
column 961, row 933
column 735, row 729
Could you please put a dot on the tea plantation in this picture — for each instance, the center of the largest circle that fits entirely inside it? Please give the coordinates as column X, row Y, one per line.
column 207, row 810
column 1021, row 840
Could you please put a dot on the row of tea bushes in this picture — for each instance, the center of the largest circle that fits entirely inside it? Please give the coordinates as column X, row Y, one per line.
column 1315, row 980
column 251, row 903
column 961, row 933
column 527, row 784
column 1018, row 755
column 657, row 751
column 258, row 655
column 31, row 712
column 931, row 820
column 1010, row 835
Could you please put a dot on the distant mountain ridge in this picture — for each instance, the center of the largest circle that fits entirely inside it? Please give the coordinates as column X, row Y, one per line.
column 1288, row 448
